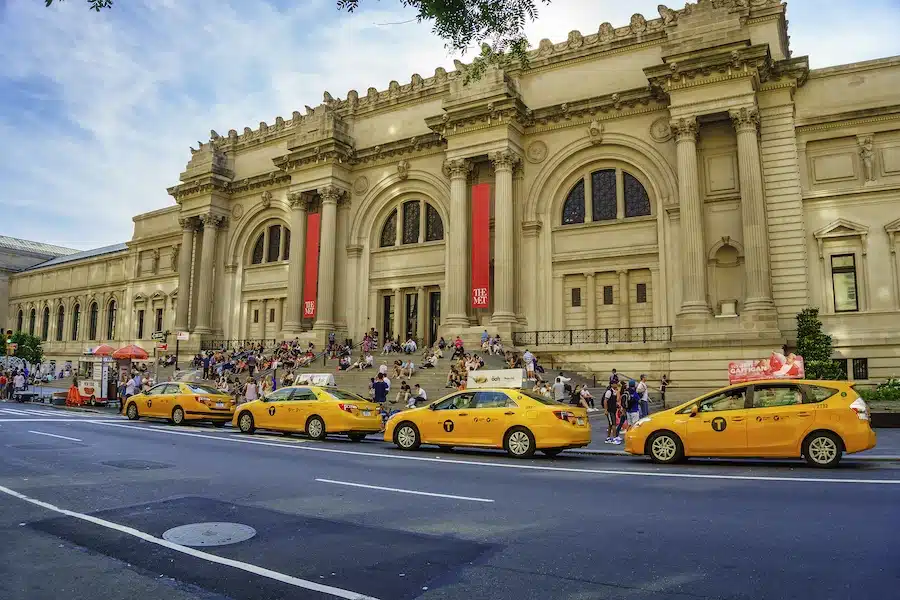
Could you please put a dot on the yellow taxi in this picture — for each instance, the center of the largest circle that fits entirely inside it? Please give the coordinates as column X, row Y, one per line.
column 816, row 420
column 182, row 401
column 516, row 420
column 314, row 410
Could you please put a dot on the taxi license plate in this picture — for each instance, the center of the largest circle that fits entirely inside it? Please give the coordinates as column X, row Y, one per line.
column 367, row 413
column 579, row 421
column 220, row 405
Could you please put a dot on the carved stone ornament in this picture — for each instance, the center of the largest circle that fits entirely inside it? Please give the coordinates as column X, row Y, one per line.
column 745, row 119
column 297, row 200
column 212, row 220
column 536, row 152
column 503, row 159
column 330, row 193
column 266, row 199
column 237, row 211
column 668, row 15
column 595, row 132
column 867, row 154
column 545, row 48
column 638, row 23
column 361, row 185
column 187, row 223
column 576, row 40
column 174, row 261
column 685, row 129
column 457, row 168
column 660, row 130
column 403, row 169
column 606, row 33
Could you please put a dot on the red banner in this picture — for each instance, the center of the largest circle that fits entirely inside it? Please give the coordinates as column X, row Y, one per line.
column 311, row 270
column 777, row 366
column 481, row 245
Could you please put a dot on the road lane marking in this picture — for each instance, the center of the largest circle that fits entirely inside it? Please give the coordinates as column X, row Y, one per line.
column 400, row 491
column 316, row 448
column 62, row 437
column 249, row 568
column 12, row 411
column 51, row 420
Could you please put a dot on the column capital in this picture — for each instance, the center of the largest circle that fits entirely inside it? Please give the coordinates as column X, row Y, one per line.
column 420, row 288
column 213, row 220
column 504, row 160
column 745, row 119
column 458, row 168
column 685, row 129
column 589, row 274
column 188, row 223
column 331, row 194
column 396, row 290
column 622, row 272
column 298, row 200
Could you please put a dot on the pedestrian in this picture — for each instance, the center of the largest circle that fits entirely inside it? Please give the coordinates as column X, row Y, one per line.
column 663, row 384
column 587, row 399
column 559, row 390
column 633, row 404
column 644, row 394
column 251, row 392
column 610, row 403
column 419, row 393
column 528, row 358
column 614, row 378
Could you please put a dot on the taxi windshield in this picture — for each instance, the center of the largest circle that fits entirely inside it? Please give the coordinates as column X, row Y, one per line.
column 539, row 398
column 199, row 388
column 342, row 395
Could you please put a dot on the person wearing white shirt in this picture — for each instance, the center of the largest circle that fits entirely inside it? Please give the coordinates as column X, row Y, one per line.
column 370, row 360
column 644, row 392
column 130, row 387
column 528, row 359
column 419, row 393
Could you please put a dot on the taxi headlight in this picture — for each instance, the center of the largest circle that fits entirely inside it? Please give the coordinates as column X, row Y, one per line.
column 641, row 422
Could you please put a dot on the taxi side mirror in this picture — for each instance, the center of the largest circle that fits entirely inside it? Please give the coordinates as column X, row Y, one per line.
column 694, row 410
column 432, row 407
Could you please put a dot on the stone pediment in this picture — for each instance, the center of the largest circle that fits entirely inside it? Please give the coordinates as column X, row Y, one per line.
column 841, row 228
column 893, row 226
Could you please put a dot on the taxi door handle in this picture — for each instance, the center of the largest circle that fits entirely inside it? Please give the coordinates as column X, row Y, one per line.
column 509, row 412
column 803, row 414
column 737, row 419
column 463, row 414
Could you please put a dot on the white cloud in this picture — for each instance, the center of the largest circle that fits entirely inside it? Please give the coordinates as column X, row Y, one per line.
column 114, row 99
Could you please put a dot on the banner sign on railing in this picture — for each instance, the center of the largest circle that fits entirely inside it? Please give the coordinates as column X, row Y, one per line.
column 311, row 270
column 481, row 245
column 777, row 366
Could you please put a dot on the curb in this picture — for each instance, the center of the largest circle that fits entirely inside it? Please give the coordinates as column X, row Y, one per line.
column 69, row 408
column 866, row 458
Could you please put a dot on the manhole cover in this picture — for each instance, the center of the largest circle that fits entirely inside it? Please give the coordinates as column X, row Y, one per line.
column 209, row 534
column 136, row 465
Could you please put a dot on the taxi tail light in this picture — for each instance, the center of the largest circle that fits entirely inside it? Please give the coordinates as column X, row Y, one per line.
column 348, row 407
column 204, row 400
column 563, row 415
column 861, row 409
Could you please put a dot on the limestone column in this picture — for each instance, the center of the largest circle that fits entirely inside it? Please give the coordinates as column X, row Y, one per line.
column 559, row 302
column 504, row 278
column 753, row 211
column 458, row 239
column 624, row 300
column 263, row 317
column 397, row 321
column 244, row 323
column 327, row 253
column 421, row 314
column 693, row 252
column 188, row 226
column 591, row 293
column 531, row 238
column 211, row 224
column 293, row 317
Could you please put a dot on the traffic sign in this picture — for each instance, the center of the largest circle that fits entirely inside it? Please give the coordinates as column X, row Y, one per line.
column 182, row 336
column 162, row 346
column 158, row 335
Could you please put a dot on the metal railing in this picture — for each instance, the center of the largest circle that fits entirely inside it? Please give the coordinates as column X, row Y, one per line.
column 234, row 344
column 569, row 337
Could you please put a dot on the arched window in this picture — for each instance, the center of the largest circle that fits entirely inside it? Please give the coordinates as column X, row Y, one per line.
column 573, row 208
column 287, row 243
column 414, row 217
column 274, row 250
column 20, row 321
column 76, row 317
column 258, row 250
column 45, row 324
column 389, row 231
column 92, row 321
column 60, row 322
column 613, row 192
column 31, row 321
column 111, row 320
column 434, row 227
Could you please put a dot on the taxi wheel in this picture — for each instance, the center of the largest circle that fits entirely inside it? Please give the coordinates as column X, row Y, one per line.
column 315, row 428
column 132, row 412
column 519, row 443
column 406, row 436
column 551, row 452
column 245, row 423
column 665, row 448
column 822, row 449
column 177, row 415
column 356, row 437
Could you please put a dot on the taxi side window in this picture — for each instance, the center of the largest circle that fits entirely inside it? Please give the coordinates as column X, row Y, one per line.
column 172, row 388
column 768, row 396
column 735, row 399
column 157, row 390
column 493, row 400
column 303, row 395
column 818, row 393
column 279, row 395
column 457, row 401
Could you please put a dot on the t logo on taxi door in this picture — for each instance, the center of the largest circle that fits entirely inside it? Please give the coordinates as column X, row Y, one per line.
column 271, row 411
column 448, row 426
column 719, row 424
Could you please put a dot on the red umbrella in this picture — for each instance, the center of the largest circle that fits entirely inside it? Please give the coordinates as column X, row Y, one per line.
column 103, row 350
column 131, row 352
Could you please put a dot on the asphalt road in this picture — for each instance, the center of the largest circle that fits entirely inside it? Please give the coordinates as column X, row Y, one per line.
column 85, row 501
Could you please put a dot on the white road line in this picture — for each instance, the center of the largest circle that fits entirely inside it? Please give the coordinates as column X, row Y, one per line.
column 39, row 420
column 7, row 412
column 398, row 490
column 40, row 413
column 62, row 437
column 249, row 568
column 12, row 411
column 312, row 448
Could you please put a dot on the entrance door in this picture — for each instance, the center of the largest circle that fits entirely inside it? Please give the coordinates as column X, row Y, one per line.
column 387, row 317
column 434, row 316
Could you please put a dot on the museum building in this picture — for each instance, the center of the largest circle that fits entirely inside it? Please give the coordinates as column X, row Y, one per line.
column 660, row 197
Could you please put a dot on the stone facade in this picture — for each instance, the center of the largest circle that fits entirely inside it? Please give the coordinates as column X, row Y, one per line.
column 665, row 197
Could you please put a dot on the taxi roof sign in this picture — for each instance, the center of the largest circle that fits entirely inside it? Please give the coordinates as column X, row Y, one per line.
column 504, row 378
column 319, row 379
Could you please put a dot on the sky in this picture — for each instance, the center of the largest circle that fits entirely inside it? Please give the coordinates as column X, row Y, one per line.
column 98, row 110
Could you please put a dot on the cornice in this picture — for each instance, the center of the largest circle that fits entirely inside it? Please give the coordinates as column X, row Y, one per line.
column 849, row 119
column 733, row 61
